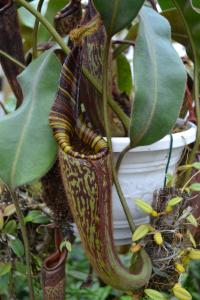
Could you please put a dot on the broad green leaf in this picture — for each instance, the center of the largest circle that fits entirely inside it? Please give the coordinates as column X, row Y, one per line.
column 10, row 227
column 191, row 19
column 4, row 268
column 27, row 146
column 160, row 80
column 195, row 187
column 124, row 75
column 117, row 14
column 17, row 247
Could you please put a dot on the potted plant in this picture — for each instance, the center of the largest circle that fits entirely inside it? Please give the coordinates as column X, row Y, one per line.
column 94, row 100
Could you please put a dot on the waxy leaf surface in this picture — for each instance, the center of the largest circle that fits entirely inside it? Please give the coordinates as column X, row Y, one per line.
column 160, row 80
column 27, row 146
column 117, row 14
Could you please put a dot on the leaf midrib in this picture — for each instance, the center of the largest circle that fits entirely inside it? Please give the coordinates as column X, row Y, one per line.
column 114, row 15
column 28, row 118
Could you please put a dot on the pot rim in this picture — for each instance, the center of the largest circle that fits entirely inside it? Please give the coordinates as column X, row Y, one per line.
column 180, row 139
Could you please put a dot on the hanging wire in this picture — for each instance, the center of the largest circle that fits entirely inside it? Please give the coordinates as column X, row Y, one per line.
column 169, row 158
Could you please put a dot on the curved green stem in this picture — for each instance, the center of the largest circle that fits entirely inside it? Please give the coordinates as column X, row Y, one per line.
column 121, row 156
column 35, row 30
column 116, row 108
column 26, row 243
column 105, row 111
column 15, row 61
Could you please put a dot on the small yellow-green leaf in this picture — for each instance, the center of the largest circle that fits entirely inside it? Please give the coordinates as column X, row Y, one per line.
column 9, row 210
column 158, row 238
column 194, row 254
column 154, row 295
column 169, row 180
column 195, row 187
column 181, row 293
column 143, row 205
column 4, row 268
column 192, row 220
column 192, row 240
column 196, row 165
column 140, row 232
column 184, row 167
column 1, row 219
column 180, row 268
column 174, row 201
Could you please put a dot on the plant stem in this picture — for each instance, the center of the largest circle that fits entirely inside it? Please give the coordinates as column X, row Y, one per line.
column 121, row 156
column 15, row 61
column 189, row 180
column 197, row 109
column 26, row 242
column 107, row 129
column 116, row 108
column 35, row 30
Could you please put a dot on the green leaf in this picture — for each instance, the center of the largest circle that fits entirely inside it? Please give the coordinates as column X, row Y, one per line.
column 196, row 165
column 140, row 232
column 4, row 268
column 9, row 210
column 52, row 9
column 179, row 33
column 165, row 4
column 154, row 295
column 66, row 244
column 195, row 187
column 190, row 18
column 1, row 220
column 36, row 217
column 124, row 76
column 160, row 80
column 17, row 247
column 10, row 227
column 117, row 14
column 174, row 201
column 27, row 146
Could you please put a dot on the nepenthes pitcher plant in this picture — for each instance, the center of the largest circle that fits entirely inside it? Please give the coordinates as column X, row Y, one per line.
column 85, row 167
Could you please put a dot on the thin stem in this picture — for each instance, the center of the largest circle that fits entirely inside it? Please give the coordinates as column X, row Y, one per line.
column 116, row 108
column 197, row 109
column 35, row 30
column 3, row 108
column 121, row 156
column 26, row 243
column 124, row 42
column 107, row 128
column 189, row 180
column 15, row 61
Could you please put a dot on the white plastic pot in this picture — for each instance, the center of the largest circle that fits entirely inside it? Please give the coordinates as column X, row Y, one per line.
column 142, row 171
